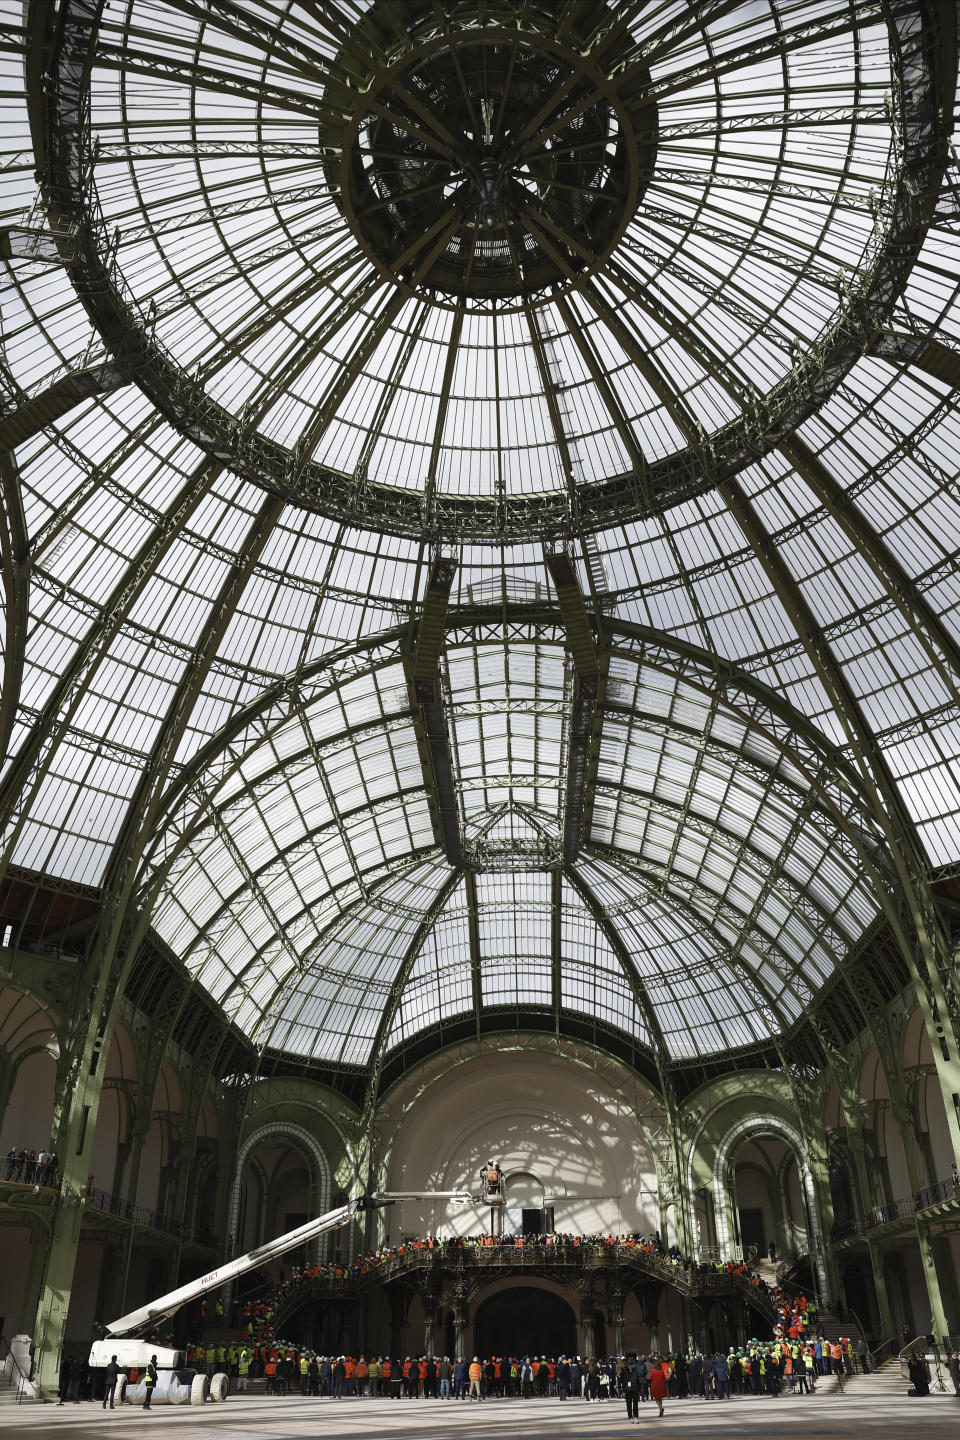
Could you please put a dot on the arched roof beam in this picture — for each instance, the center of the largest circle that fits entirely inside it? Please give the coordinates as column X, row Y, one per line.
column 282, row 857
column 925, row 951
column 757, row 939
column 637, row 988
column 777, row 1019
column 377, row 878
column 214, row 814
column 124, row 923
column 920, row 41
column 35, row 412
column 425, row 686
column 742, row 850
column 378, row 1047
column 15, row 558
column 585, row 720
column 937, row 640
column 755, row 703
column 30, row 764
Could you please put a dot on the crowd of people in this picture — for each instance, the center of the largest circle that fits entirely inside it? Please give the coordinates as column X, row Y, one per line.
column 30, row 1167
column 760, row 1368
column 257, row 1314
column 794, row 1359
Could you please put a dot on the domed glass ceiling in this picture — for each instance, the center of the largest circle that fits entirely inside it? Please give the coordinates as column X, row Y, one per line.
column 310, row 296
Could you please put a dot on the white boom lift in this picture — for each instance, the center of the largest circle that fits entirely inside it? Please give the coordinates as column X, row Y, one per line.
column 176, row 1383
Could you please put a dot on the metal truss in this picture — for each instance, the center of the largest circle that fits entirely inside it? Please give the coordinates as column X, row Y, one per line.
column 916, row 116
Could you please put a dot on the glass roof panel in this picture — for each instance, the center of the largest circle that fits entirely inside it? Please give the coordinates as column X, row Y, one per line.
column 692, row 327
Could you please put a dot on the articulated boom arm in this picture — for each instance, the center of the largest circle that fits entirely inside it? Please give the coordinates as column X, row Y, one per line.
column 169, row 1304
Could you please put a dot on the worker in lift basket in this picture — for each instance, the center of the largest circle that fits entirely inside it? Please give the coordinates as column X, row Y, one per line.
column 491, row 1176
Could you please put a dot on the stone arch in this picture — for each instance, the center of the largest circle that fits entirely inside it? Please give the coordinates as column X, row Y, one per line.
column 160, row 1154
column 758, row 1125
column 524, row 1191
column 924, row 1095
column 886, row 1152
column 116, row 1112
column 29, row 1056
column 301, row 1138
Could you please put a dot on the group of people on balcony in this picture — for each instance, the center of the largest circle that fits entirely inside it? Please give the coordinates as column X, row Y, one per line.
column 31, row 1167
column 257, row 1314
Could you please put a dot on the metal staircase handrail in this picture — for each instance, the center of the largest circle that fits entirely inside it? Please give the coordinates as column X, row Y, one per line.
column 875, row 1361
column 23, row 1380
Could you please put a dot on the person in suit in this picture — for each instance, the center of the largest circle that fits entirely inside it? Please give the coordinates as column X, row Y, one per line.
column 110, row 1377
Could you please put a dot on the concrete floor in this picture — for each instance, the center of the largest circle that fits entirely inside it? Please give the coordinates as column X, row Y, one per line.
column 871, row 1407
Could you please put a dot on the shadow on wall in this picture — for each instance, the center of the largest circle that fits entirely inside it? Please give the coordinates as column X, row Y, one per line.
column 536, row 1116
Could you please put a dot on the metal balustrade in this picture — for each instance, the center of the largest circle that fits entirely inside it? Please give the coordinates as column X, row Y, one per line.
column 904, row 1209
column 454, row 1263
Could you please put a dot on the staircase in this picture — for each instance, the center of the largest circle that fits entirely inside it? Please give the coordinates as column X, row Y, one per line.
column 887, row 1382
column 9, row 1395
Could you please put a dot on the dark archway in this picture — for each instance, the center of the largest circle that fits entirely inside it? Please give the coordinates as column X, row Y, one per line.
column 524, row 1321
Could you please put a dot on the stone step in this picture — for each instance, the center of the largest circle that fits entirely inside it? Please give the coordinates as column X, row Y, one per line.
column 8, row 1395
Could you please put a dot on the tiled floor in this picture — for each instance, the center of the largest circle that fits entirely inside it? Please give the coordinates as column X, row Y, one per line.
column 871, row 1407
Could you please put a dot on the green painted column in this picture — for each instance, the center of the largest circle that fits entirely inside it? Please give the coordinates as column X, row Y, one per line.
column 30, row 1299
column 906, row 1128
column 78, row 1101
column 938, row 1319
column 887, row 1327
column 949, row 1289
column 51, row 1325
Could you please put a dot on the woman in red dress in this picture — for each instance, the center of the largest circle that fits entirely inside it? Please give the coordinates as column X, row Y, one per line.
column 658, row 1385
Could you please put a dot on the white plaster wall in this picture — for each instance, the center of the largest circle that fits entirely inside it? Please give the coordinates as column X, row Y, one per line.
column 538, row 1114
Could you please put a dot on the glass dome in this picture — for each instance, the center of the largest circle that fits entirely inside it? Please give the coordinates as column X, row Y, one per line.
column 299, row 301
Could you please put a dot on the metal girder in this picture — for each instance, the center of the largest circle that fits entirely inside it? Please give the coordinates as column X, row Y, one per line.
column 473, row 935
column 281, row 859
column 32, row 761
column 378, row 1046
column 929, row 355
column 922, row 51
column 37, row 246
column 866, row 112
column 924, row 949
column 125, row 922
column 937, row 639
column 556, row 944
column 658, row 1043
column 818, row 917
column 377, row 879
column 780, row 44
column 777, row 1019
column 756, row 704
column 586, row 720
column 426, row 695
column 35, row 412
column 15, row 558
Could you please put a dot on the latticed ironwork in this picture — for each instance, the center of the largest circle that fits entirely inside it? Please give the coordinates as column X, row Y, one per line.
column 480, row 512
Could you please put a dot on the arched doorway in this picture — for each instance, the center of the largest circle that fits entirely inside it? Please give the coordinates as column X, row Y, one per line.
column 524, row 1321
column 526, row 1213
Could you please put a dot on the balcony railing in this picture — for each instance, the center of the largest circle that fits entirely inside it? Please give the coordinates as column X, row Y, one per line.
column 689, row 1280
column 104, row 1203
column 145, row 1218
column 904, row 1209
